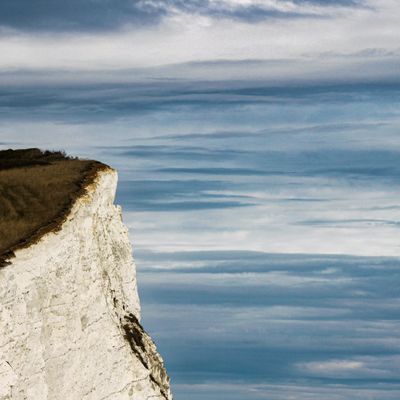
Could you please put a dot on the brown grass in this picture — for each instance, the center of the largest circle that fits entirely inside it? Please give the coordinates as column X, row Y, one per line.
column 37, row 191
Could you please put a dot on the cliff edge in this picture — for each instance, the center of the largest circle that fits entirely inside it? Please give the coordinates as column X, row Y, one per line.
column 69, row 310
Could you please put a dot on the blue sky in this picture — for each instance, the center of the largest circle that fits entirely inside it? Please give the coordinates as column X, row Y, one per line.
column 257, row 144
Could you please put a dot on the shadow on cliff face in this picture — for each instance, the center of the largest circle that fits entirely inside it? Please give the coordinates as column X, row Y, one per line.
column 144, row 348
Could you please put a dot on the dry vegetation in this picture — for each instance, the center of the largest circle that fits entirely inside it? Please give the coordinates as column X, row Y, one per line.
column 37, row 190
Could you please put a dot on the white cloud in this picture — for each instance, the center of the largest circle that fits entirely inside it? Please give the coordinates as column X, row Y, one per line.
column 334, row 366
column 276, row 5
column 315, row 45
column 361, row 367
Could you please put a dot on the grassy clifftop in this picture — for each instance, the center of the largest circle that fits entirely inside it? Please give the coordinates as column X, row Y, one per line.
column 37, row 191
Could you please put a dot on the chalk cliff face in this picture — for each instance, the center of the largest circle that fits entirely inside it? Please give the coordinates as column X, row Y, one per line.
column 69, row 312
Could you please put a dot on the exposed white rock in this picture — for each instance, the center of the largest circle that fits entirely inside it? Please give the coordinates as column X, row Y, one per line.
column 69, row 312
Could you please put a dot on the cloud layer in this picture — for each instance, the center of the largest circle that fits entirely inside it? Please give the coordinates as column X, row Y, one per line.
column 90, row 15
column 199, row 40
column 258, row 155
column 225, row 188
column 283, row 325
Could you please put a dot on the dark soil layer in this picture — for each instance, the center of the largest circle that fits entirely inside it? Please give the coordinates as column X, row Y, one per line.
column 37, row 192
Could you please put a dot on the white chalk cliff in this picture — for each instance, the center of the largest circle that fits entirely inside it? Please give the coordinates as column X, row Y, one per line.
column 69, row 312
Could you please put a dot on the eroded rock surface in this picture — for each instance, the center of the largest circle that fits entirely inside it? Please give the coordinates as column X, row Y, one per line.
column 69, row 312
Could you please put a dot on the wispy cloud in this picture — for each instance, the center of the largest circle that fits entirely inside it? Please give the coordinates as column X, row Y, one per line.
column 106, row 15
column 273, row 391
column 152, row 39
column 368, row 367
column 327, row 321
column 257, row 142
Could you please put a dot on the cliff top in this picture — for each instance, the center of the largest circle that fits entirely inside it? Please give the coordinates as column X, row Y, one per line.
column 37, row 191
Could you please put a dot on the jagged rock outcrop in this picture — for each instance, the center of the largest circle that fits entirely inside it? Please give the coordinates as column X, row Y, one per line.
column 69, row 312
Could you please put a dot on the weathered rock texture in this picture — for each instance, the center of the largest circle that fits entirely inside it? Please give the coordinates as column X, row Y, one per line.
column 69, row 312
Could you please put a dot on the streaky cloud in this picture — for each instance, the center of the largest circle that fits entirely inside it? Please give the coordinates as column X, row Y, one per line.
column 100, row 15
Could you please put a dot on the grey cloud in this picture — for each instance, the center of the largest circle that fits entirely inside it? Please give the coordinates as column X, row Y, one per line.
column 306, row 69
column 8, row 144
column 186, row 153
column 255, row 316
column 342, row 164
column 89, row 102
column 234, row 261
column 87, row 15
column 182, row 206
column 273, row 391
column 212, row 171
column 276, row 130
column 345, row 222
column 74, row 15
column 351, row 315
column 284, row 258
column 374, row 52
column 178, row 195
